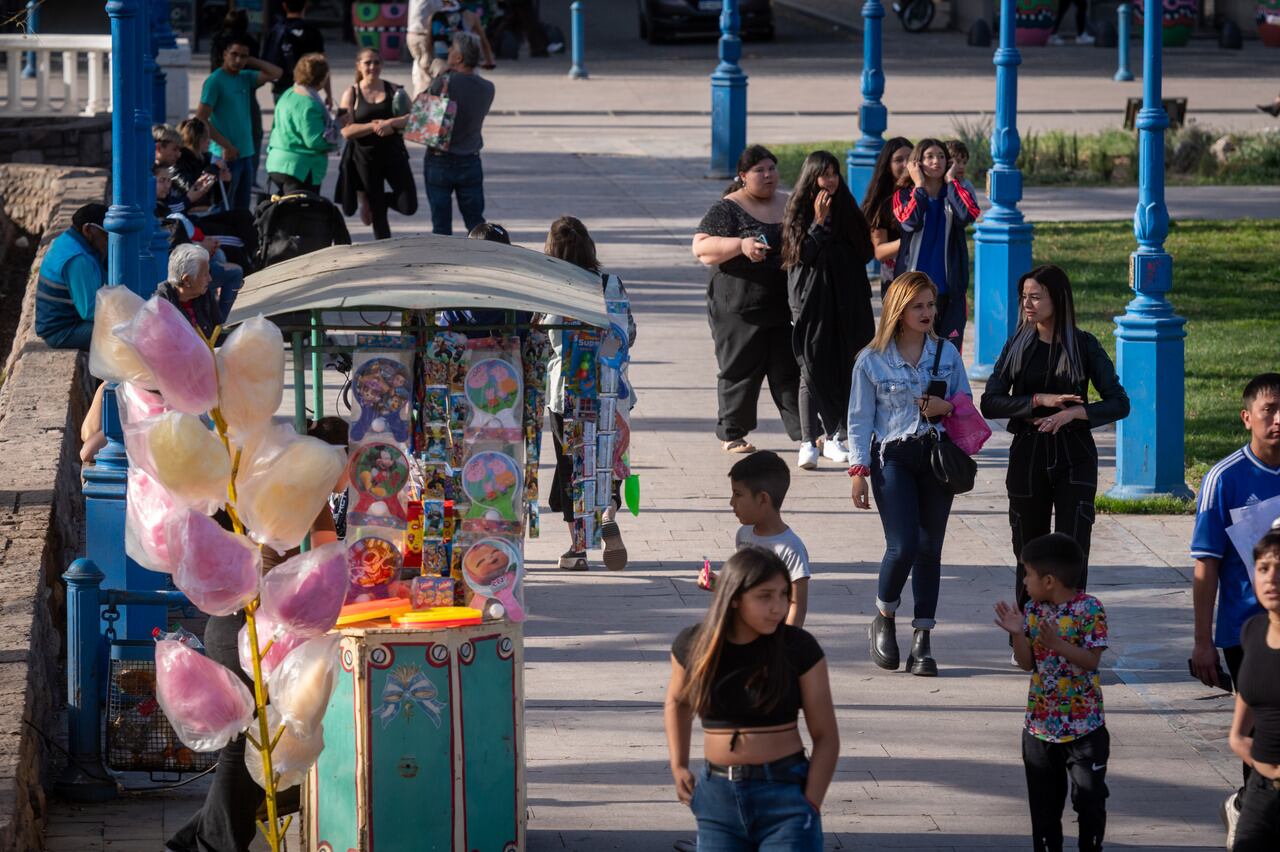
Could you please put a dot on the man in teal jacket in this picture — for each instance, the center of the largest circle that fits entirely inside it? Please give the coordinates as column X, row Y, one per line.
column 72, row 271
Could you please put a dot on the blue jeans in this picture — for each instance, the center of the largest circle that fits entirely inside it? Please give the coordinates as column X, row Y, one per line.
column 445, row 174
column 756, row 816
column 913, row 511
column 75, row 336
column 228, row 278
column 240, row 192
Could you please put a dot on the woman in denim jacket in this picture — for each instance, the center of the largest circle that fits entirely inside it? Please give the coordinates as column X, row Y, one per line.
column 893, row 422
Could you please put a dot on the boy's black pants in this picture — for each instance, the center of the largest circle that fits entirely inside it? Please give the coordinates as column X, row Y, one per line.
column 1049, row 767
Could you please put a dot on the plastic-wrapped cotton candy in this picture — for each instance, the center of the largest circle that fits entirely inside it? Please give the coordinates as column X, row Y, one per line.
column 183, row 456
column 147, row 507
column 205, row 702
column 218, row 570
column 135, row 403
column 301, row 685
column 268, row 631
column 110, row 358
column 251, row 376
column 304, row 594
column 291, row 757
column 179, row 361
column 284, row 485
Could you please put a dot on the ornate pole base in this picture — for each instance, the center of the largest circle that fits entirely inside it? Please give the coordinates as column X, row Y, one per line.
column 860, row 162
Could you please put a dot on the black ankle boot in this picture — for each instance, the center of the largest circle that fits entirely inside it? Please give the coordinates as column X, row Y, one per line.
column 884, row 642
column 920, row 661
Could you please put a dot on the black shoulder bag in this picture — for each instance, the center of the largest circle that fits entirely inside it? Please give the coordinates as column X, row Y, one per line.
column 954, row 470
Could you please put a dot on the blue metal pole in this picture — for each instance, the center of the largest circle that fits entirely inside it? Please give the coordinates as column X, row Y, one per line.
column 1002, row 241
column 1124, row 16
column 154, row 250
column 1149, row 335
column 579, row 70
column 159, row 16
column 125, row 219
column 166, row 38
column 85, row 779
column 728, row 97
column 33, row 26
column 860, row 162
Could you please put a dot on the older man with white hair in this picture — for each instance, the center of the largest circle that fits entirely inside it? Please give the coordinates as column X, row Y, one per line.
column 188, row 287
column 458, row 169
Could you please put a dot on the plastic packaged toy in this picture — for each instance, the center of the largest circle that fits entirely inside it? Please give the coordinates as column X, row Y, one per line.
column 382, row 391
column 374, row 562
column 251, row 376
column 205, row 702
column 493, row 567
column 493, row 386
column 179, row 361
column 378, row 472
column 491, row 481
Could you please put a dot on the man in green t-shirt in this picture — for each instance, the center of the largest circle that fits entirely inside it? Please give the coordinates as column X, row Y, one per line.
column 224, row 106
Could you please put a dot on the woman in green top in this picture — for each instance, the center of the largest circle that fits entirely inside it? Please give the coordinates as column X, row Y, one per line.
column 303, row 133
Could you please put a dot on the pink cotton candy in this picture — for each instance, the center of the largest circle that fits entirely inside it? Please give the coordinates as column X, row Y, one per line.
column 204, row 701
column 135, row 403
column 268, row 631
column 147, row 507
column 179, row 361
column 301, row 685
column 304, row 594
column 218, row 570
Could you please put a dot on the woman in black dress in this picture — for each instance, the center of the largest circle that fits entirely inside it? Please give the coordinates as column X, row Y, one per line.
column 375, row 154
column 740, row 238
column 826, row 245
column 877, row 206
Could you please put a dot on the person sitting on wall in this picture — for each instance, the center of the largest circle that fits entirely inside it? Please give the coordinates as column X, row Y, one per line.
column 73, row 269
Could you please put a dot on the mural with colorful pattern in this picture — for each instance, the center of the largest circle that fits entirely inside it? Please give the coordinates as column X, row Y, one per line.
column 1179, row 20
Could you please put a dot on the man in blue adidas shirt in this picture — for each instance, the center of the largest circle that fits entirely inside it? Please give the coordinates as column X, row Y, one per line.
column 1248, row 476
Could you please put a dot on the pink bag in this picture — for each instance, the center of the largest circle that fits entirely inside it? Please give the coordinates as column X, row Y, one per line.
column 965, row 425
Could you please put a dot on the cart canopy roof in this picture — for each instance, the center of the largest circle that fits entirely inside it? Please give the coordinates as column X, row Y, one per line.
column 424, row 273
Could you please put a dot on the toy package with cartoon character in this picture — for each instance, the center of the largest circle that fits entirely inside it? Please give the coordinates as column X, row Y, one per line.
column 492, row 567
column 492, row 387
column 535, row 354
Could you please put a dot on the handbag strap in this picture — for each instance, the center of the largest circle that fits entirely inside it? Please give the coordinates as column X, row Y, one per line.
column 937, row 357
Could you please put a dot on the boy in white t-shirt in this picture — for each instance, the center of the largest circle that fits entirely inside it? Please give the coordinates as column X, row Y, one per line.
column 760, row 482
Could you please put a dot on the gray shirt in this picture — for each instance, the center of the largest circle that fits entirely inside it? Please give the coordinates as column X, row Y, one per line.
column 474, row 95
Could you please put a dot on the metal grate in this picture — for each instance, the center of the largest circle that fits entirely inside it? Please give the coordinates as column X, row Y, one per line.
column 139, row 737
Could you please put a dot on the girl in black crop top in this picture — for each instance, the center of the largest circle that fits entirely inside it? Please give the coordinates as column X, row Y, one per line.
column 748, row 675
column 1255, row 730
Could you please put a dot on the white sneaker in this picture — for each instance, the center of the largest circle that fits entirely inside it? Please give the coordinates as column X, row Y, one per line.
column 837, row 451
column 1085, row 38
column 1230, row 814
column 1056, row 40
column 808, row 459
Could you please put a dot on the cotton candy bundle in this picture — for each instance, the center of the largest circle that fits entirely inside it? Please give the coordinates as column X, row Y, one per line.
column 301, row 685
column 284, row 486
column 251, row 376
column 304, row 594
column 135, row 403
column 179, row 361
column 206, row 704
column 183, row 455
column 268, row 631
column 147, row 506
column 291, row 757
column 110, row 358
column 218, row 570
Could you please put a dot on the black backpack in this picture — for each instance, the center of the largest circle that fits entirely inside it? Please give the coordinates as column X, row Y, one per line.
column 296, row 224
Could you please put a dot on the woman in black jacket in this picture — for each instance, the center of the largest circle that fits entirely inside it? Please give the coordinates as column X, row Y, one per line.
column 826, row 244
column 1041, row 384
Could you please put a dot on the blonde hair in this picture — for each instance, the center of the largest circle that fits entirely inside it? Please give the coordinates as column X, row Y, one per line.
column 901, row 293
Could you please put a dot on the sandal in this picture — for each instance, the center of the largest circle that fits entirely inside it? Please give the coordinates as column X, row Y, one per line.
column 615, row 552
column 574, row 560
column 737, row 445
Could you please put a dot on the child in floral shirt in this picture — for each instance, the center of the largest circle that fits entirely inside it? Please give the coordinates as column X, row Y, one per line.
column 1060, row 638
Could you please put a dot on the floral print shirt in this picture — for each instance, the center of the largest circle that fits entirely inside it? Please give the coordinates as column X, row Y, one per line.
column 1064, row 702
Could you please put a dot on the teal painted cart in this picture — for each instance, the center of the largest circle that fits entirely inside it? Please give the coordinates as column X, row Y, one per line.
column 424, row 744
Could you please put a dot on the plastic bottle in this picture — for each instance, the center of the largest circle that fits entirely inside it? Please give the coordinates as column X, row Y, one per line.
column 179, row 634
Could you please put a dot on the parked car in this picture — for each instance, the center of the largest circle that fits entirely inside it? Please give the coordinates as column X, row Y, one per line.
column 665, row 19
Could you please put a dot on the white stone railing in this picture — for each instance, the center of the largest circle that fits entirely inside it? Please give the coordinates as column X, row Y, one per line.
column 77, row 93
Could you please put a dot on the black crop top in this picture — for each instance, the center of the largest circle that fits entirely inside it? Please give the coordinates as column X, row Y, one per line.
column 1260, row 688
column 731, row 703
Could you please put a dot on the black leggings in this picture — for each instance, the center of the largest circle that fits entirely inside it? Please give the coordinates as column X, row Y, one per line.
column 386, row 165
column 289, row 184
column 747, row 354
column 1051, row 768
column 1082, row 11
column 1051, row 477
column 815, row 423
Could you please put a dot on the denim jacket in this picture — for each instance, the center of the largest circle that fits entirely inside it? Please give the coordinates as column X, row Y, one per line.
column 885, row 390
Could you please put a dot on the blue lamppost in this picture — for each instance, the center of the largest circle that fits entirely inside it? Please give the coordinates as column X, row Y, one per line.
column 1002, row 241
column 579, row 69
column 728, row 97
column 860, row 162
column 161, row 33
column 1123, row 18
column 1149, row 335
column 154, row 250
column 125, row 219
column 33, row 26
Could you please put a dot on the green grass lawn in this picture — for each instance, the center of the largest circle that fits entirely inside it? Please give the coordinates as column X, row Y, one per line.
column 1226, row 283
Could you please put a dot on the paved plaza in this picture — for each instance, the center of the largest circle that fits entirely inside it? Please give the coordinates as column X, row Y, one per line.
column 926, row 764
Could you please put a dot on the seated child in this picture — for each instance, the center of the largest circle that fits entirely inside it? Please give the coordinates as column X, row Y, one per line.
column 1060, row 639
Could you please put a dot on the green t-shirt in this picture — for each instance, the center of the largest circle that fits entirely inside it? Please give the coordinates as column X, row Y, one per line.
column 228, row 96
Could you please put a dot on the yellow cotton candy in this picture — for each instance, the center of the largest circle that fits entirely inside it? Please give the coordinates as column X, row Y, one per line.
column 251, row 376
column 283, row 489
column 110, row 358
column 188, row 459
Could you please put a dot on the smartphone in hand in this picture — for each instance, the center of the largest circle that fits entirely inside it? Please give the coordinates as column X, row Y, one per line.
column 1223, row 677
